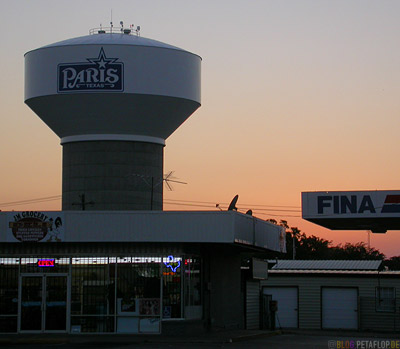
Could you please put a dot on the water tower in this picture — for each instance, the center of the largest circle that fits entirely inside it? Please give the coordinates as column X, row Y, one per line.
column 113, row 98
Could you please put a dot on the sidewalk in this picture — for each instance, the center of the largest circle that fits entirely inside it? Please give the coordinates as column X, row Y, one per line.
column 345, row 333
column 123, row 339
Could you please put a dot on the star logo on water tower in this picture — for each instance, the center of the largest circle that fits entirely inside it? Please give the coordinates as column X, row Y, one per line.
column 102, row 60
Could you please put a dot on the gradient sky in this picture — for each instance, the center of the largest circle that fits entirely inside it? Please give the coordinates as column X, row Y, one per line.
column 296, row 96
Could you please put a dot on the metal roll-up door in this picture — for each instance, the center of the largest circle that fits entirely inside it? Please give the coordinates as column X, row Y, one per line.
column 339, row 308
column 252, row 305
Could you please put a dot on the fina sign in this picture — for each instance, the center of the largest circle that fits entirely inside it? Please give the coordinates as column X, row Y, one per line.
column 377, row 211
column 351, row 204
column 97, row 74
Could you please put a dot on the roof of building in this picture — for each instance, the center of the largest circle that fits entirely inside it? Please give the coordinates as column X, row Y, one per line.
column 394, row 273
column 216, row 227
column 327, row 265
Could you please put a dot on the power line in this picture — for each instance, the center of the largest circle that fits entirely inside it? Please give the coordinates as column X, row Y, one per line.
column 31, row 201
column 277, row 215
column 254, row 210
column 273, row 209
column 227, row 203
column 271, row 205
column 260, row 208
column 187, row 204
column 257, row 211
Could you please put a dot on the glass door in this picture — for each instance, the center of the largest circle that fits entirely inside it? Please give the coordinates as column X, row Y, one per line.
column 43, row 303
column 55, row 303
column 31, row 303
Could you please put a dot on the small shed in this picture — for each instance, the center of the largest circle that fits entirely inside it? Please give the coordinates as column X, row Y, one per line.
column 334, row 294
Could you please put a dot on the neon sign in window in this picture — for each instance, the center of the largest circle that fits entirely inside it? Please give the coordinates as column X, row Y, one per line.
column 170, row 263
column 46, row 263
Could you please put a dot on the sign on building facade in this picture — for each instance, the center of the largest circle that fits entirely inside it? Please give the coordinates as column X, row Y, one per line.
column 35, row 226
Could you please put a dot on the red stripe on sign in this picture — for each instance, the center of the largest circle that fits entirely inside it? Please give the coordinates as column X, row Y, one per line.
column 392, row 199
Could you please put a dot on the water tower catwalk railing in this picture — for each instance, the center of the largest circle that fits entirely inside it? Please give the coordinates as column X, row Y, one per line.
column 132, row 30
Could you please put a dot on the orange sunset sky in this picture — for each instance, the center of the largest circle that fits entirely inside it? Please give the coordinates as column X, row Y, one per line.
column 296, row 96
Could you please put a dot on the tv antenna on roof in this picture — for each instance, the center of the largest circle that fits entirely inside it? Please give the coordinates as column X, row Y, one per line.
column 149, row 180
column 232, row 205
column 170, row 178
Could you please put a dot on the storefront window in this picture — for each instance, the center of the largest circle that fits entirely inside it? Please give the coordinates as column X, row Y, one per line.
column 120, row 294
column 97, row 294
column 192, row 288
column 9, row 272
column 138, row 294
column 172, row 287
column 192, row 281
column 92, row 293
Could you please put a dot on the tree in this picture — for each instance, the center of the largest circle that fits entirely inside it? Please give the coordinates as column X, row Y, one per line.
column 358, row 250
column 392, row 263
column 295, row 232
column 284, row 224
column 313, row 247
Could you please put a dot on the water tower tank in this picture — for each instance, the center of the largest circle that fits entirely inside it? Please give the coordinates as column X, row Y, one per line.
column 113, row 99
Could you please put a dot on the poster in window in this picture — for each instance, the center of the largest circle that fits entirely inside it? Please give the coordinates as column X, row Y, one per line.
column 127, row 306
column 149, row 306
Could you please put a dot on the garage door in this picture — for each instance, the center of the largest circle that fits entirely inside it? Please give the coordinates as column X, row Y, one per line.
column 339, row 308
column 286, row 316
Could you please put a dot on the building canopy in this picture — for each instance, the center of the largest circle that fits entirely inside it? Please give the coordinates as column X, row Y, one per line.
column 193, row 227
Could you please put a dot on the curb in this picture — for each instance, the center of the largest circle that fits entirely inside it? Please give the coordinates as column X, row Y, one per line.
column 82, row 341
column 343, row 333
column 27, row 341
column 254, row 336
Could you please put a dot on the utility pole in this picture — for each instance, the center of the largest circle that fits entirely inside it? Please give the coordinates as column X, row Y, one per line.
column 295, row 232
column 152, row 193
column 294, row 247
column 83, row 202
column 369, row 239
